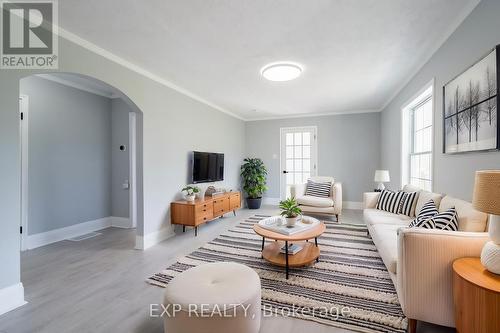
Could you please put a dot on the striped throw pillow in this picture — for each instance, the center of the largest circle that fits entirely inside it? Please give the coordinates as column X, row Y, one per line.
column 408, row 202
column 389, row 201
column 428, row 211
column 424, row 223
column 447, row 220
column 317, row 189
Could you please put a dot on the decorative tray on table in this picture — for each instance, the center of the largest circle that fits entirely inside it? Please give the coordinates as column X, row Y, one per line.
column 278, row 224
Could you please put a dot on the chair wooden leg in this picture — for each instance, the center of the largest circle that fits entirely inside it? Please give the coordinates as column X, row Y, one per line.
column 412, row 325
column 337, row 216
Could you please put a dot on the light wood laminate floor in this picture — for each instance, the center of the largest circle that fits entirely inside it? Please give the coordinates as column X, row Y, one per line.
column 97, row 285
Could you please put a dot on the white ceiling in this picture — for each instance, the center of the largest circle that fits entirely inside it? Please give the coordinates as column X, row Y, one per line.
column 356, row 53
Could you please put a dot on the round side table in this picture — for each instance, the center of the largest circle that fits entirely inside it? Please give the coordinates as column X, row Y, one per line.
column 476, row 295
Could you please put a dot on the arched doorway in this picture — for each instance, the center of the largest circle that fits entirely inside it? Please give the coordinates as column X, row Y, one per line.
column 73, row 187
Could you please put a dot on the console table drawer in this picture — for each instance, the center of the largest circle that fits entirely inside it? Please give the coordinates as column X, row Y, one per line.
column 221, row 206
column 234, row 201
column 202, row 219
column 205, row 209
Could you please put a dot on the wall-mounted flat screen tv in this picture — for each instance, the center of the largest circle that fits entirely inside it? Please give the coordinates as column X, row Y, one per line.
column 207, row 167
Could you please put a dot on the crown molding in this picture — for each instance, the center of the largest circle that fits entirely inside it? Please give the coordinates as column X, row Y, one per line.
column 310, row 115
column 133, row 67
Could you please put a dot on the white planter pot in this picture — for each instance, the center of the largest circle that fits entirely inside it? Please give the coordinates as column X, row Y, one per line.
column 290, row 221
column 190, row 197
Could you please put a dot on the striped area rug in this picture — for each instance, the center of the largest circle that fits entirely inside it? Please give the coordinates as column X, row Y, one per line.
column 350, row 273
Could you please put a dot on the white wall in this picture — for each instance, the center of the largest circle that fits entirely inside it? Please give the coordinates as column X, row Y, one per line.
column 348, row 149
column 453, row 174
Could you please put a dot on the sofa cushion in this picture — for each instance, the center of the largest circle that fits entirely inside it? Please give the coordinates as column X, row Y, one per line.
column 411, row 188
column 310, row 200
column 318, row 189
column 469, row 219
column 319, row 210
column 428, row 211
column 385, row 237
column 424, row 223
column 424, row 197
column 375, row 216
column 408, row 203
column 446, row 220
column 390, row 201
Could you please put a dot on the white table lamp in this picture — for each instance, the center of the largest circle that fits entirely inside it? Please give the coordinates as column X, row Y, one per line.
column 381, row 177
column 487, row 199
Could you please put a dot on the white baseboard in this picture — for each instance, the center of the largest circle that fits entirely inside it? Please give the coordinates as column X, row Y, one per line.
column 153, row 238
column 352, row 205
column 270, row 201
column 58, row 235
column 11, row 297
column 121, row 222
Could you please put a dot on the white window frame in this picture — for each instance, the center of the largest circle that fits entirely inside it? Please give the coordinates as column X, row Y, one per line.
column 422, row 96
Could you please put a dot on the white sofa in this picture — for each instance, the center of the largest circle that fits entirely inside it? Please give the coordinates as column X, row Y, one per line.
column 420, row 260
column 319, row 206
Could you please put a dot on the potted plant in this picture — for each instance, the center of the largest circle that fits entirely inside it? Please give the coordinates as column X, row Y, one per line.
column 190, row 192
column 254, row 173
column 290, row 210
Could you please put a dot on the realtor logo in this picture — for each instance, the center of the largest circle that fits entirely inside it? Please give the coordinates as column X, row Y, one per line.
column 29, row 36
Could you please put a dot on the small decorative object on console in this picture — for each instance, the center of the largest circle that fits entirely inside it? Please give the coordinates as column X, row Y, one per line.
column 487, row 199
column 211, row 191
column 290, row 210
column 190, row 192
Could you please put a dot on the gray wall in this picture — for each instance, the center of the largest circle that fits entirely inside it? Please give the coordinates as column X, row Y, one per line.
column 348, row 149
column 453, row 174
column 10, row 169
column 69, row 155
column 119, row 159
column 173, row 124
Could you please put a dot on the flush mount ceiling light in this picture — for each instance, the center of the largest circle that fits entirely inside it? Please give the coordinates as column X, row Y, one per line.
column 281, row 71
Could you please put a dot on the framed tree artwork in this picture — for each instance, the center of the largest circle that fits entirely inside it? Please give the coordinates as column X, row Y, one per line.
column 470, row 109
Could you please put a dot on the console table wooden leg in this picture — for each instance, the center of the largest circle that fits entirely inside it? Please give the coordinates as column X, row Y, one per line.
column 195, row 231
column 183, row 228
column 234, row 212
column 286, row 258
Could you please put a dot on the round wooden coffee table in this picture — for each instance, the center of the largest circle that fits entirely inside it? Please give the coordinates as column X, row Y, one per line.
column 308, row 254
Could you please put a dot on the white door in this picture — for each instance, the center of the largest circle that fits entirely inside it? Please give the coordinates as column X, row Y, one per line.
column 298, row 157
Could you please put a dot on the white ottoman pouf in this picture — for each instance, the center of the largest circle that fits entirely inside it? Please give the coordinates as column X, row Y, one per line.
column 213, row 298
